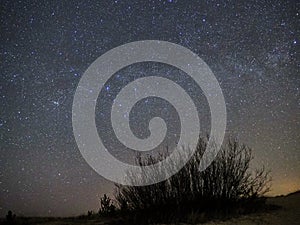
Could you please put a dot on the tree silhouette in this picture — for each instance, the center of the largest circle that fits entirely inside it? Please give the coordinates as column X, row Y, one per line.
column 228, row 183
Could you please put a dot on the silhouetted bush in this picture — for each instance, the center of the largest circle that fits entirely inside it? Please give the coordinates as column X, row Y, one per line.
column 10, row 218
column 226, row 187
column 90, row 213
column 106, row 206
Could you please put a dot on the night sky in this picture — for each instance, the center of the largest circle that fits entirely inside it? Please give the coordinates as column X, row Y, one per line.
column 251, row 46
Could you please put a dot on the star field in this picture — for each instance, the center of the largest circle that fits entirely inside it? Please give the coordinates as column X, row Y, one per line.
column 251, row 46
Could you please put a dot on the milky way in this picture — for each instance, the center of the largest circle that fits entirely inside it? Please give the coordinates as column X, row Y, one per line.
column 251, row 46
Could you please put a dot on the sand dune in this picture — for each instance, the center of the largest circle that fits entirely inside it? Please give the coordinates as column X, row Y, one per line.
column 289, row 214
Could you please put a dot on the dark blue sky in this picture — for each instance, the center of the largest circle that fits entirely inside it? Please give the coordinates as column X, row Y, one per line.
column 251, row 46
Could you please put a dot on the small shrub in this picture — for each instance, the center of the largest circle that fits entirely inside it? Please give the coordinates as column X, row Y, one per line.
column 90, row 213
column 106, row 206
column 10, row 218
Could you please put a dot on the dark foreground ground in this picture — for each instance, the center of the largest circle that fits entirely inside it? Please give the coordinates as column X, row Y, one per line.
column 288, row 213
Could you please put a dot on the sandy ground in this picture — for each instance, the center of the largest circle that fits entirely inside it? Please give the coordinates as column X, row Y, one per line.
column 288, row 215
